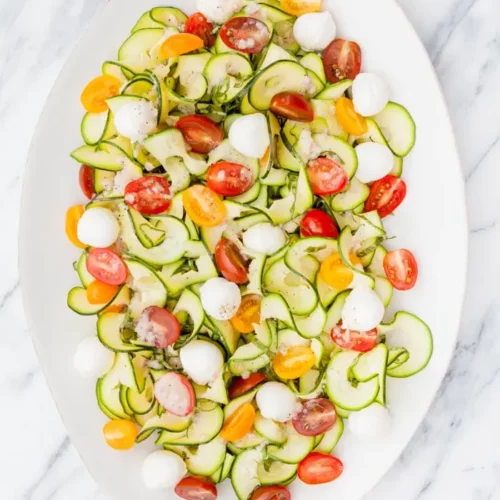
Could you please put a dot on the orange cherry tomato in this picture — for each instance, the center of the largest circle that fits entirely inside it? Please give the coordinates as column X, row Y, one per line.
column 120, row 434
column 300, row 7
column 73, row 215
column 351, row 121
column 94, row 95
column 248, row 314
column 203, row 206
column 336, row 273
column 294, row 362
column 179, row 44
column 239, row 424
column 101, row 293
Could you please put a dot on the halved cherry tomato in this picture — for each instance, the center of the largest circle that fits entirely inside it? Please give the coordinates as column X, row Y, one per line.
column 248, row 314
column 275, row 492
column 342, row 60
column 120, row 434
column 94, row 95
column 354, row 340
column 229, row 179
column 336, row 273
column 351, row 121
column 294, row 362
column 86, row 178
column 158, row 327
column 300, row 7
column 240, row 386
column 203, row 206
column 149, row 195
column 106, row 266
column 198, row 25
column 318, row 223
column 175, row 393
column 239, row 424
column 100, row 293
column 326, row 176
column 245, row 34
column 401, row 269
column 230, row 262
column 316, row 417
column 264, row 161
column 386, row 195
column 73, row 215
column 200, row 132
column 179, row 44
column 196, row 488
column 319, row 468
column 292, row 106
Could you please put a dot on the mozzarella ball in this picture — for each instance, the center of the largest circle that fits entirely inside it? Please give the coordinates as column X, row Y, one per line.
column 315, row 31
column 277, row 402
column 370, row 423
column 374, row 161
column 98, row 227
column 363, row 310
column 370, row 94
column 220, row 298
column 249, row 135
column 136, row 119
column 92, row 359
column 219, row 11
column 162, row 469
column 264, row 238
column 202, row 361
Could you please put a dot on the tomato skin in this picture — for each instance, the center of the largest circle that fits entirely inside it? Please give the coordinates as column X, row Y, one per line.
column 149, row 195
column 176, row 394
column 292, row 106
column 230, row 262
column 316, row 417
column 275, row 492
column 100, row 293
column 401, row 269
column 106, row 266
column 354, row 340
column 96, row 92
column 240, row 386
column 326, row 176
column 161, row 326
column 319, row 468
column 86, row 179
column 386, row 195
column 248, row 314
column 198, row 25
column 200, row 132
column 73, row 216
column 196, row 488
column 229, row 179
column 245, row 34
column 203, row 206
column 318, row 223
column 294, row 362
column 342, row 60
column 120, row 434
column 179, row 44
column 239, row 424
column 349, row 119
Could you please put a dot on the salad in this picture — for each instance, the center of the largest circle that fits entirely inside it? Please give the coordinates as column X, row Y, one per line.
column 238, row 166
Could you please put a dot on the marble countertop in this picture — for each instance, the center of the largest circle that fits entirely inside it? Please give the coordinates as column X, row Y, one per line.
column 455, row 453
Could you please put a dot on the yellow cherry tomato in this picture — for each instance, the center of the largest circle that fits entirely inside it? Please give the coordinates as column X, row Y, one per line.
column 120, row 434
column 73, row 215
column 294, row 362
column 182, row 43
column 203, row 206
column 100, row 293
column 239, row 424
column 351, row 121
column 336, row 273
column 248, row 314
column 94, row 95
column 300, row 7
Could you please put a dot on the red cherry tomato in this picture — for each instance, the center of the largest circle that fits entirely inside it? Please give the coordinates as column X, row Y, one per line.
column 342, row 60
column 230, row 262
column 275, row 492
column 240, row 386
column 158, row 327
column 316, row 417
column 196, row 488
column 175, row 393
column 149, row 195
column 318, row 223
column 401, row 269
column 292, row 106
column 386, row 195
column 86, row 179
column 229, row 179
column 201, row 133
column 245, row 34
column 326, row 176
column 198, row 25
column 319, row 468
column 106, row 266
column 354, row 340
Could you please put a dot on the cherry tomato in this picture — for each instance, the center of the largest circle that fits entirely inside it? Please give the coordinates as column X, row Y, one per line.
column 319, row 468
column 316, row 417
column 401, row 269
column 326, row 176
column 120, row 434
column 294, row 362
column 342, row 59
column 336, row 273
column 292, row 106
column 158, row 327
column 180, row 43
column 200, row 132
column 386, row 195
column 300, row 7
column 73, row 215
column 248, row 314
column 94, row 95
column 240, row 386
column 86, row 179
column 149, row 195
column 354, row 340
column 230, row 262
column 229, row 179
column 100, row 293
column 318, row 223
column 198, row 25
column 239, row 424
column 106, row 266
column 196, row 488
column 350, row 120
column 203, row 206
column 245, row 34
column 175, row 393
column 275, row 492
